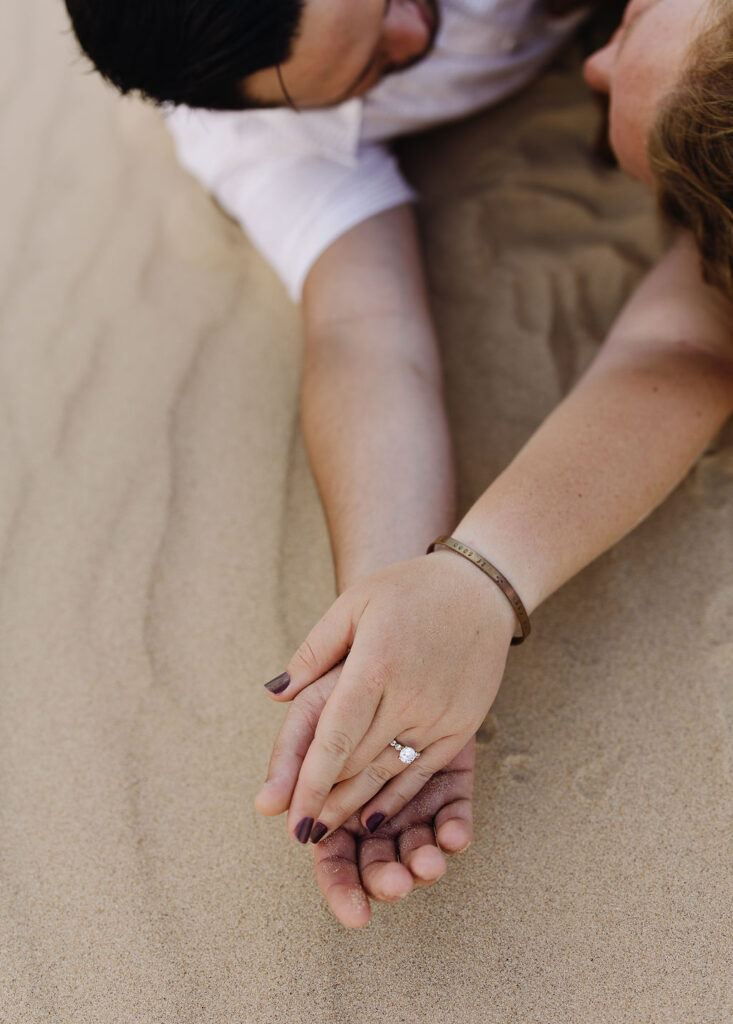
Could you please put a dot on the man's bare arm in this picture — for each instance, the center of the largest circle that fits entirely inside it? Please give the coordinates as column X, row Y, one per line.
column 372, row 400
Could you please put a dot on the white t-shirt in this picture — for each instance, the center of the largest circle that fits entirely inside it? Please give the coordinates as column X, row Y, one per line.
column 298, row 181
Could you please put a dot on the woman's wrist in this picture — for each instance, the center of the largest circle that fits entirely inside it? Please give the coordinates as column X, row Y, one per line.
column 491, row 530
column 490, row 603
column 497, row 578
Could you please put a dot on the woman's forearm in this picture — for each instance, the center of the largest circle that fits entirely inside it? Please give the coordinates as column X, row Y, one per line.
column 606, row 457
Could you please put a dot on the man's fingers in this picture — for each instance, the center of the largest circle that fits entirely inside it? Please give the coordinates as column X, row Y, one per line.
column 419, row 852
column 454, row 825
column 291, row 746
column 337, row 873
column 382, row 875
column 454, row 820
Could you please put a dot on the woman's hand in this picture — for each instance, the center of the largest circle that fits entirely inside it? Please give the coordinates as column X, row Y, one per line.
column 425, row 644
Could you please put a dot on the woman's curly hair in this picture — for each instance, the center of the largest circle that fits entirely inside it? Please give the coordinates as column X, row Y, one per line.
column 691, row 150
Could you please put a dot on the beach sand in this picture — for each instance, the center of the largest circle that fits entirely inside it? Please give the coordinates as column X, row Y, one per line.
column 164, row 550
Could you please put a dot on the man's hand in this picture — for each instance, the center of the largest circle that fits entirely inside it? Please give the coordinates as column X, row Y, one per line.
column 404, row 852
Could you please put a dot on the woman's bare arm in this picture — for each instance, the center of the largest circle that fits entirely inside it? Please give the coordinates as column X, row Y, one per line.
column 660, row 389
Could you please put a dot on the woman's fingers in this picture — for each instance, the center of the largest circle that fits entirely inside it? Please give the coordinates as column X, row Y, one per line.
column 407, row 784
column 291, row 745
column 325, row 646
column 347, row 797
column 451, row 784
column 344, row 721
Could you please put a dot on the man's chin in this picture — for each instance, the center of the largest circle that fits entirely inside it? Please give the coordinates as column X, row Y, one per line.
column 432, row 20
column 431, row 10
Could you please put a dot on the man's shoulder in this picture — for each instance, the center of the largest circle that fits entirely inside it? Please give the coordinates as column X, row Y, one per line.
column 333, row 134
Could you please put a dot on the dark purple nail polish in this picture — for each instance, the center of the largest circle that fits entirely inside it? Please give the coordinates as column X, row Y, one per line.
column 319, row 831
column 278, row 684
column 303, row 831
column 375, row 821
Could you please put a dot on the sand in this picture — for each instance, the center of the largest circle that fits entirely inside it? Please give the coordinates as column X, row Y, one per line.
column 163, row 550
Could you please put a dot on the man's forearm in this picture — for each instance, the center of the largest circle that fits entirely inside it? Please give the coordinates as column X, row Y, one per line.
column 372, row 401
column 379, row 446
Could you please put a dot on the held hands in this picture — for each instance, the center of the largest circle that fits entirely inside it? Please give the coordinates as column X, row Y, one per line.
column 425, row 643
column 404, row 853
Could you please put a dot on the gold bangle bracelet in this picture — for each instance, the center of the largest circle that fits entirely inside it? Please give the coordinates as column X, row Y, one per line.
column 493, row 573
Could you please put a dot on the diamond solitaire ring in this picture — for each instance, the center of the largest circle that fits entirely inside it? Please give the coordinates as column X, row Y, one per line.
column 407, row 754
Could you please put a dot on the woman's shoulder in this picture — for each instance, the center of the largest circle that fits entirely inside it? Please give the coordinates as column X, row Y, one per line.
column 674, row 303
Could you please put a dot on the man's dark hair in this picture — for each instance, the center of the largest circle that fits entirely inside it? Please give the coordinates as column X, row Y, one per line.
column 185, row 51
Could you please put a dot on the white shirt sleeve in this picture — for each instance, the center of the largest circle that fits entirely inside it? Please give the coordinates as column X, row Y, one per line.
column 292, row 200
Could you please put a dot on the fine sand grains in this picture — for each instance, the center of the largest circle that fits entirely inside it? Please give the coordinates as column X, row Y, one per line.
column 163, row 550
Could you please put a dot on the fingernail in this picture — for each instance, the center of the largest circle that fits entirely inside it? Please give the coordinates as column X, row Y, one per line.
column 278, row 684
column 303, row 831
column 319, row 831
column 375, row 821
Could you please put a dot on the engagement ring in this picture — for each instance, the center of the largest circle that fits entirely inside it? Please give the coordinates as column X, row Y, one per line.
column 407, row 754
